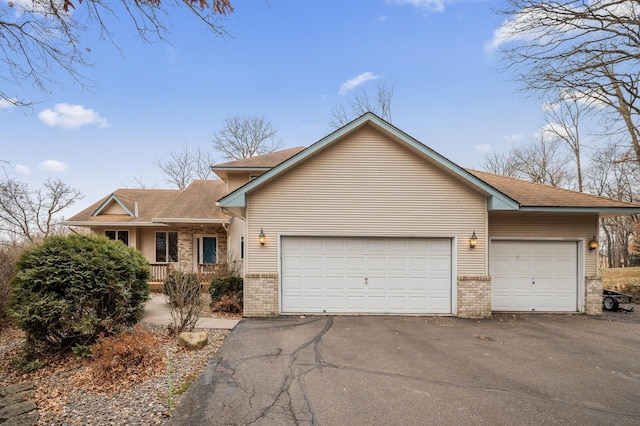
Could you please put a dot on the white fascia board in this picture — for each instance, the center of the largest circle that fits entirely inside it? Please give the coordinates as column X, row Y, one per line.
column 111, row 224
column 188, row 220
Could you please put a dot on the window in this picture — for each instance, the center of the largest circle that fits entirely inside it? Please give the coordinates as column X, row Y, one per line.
column 166, row 246
column 118, row 235
column 241, row 247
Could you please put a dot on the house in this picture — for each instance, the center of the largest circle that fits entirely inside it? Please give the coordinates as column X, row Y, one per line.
column 369, row 220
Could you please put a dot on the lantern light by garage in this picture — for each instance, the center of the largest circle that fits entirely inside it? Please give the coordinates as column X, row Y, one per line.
column 473, row 241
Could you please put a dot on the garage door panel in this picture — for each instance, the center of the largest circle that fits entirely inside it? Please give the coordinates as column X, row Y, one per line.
column 354, row 263
column 403, row 275
column 375, row 263
column 534, row 276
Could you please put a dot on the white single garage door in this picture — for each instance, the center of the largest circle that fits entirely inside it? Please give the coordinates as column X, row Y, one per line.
column 534, row 276
column 365, row 275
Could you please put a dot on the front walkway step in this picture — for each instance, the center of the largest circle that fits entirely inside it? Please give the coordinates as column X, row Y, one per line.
column 16, row 406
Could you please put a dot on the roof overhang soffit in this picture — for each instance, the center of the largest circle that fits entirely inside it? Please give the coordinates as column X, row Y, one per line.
column 497, row 200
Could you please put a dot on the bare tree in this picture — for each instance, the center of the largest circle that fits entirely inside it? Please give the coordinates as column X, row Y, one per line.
column 362, row 102
column 246, row 136
column 619, row 180
column 587, row 47
column 563, row 123
column 504, row 164
column 31, row 215
column 542, row 161
column 38, row 38
column 183, row 167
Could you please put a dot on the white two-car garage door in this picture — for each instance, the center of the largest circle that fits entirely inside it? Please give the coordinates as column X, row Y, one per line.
column 366, row 275
column 534, row 276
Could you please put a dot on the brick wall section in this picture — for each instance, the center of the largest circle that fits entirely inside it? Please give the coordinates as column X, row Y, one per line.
column 474, row 296
column 260, row 295
column 186, row 250
column 593, row 295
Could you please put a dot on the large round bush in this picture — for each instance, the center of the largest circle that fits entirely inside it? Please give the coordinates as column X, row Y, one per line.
column 69, row 290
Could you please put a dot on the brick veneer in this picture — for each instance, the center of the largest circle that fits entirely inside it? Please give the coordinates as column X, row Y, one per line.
column 186, row 249
column 260, row 295
column 593, row 295
column 474, row 296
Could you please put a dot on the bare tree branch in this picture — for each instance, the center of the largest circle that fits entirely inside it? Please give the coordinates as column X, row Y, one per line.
column 361, row 103
column 39, row 38
column 31, row 215
column 587, row 47
column 542, row 161
column 246, row 136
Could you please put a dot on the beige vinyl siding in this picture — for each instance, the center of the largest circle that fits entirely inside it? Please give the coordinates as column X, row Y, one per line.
column 366, row 185
column 114, row 208
column 235, row 180
column 548, row 226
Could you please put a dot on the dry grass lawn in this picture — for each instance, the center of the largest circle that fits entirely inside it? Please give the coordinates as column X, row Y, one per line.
column 624, row 280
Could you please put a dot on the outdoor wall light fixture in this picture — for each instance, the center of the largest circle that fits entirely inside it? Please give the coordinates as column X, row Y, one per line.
column 473, row 241
column 262, row 239
column 593, row 244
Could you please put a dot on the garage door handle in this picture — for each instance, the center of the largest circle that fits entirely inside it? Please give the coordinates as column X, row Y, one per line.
column 533, row 281
column 366, row 280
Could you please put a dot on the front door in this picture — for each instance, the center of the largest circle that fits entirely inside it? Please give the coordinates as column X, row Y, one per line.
column 205, row 250
column 208, row 249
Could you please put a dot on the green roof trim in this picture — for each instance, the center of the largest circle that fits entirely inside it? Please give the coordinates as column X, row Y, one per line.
column 113, row 198
column 497, row 200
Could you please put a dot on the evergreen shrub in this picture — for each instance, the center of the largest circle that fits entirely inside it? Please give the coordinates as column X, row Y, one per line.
column 70, row 289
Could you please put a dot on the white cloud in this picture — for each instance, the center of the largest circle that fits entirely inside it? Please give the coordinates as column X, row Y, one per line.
column 22, row 169
column 7, row 103
column 552, row 131
column 53, row 166
column 514, row 137
column 432, row 5
column 483, row 148
column 357, row 81
column 70, row 116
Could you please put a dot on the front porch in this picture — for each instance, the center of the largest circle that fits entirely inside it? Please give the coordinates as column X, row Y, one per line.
column 206, row 272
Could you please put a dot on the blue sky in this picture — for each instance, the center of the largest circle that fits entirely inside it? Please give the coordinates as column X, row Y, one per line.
column 286, row 60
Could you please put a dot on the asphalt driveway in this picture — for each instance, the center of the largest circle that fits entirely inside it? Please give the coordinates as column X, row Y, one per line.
column 524, row 370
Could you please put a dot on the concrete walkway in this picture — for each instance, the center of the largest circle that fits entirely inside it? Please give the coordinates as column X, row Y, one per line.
column 157, row 312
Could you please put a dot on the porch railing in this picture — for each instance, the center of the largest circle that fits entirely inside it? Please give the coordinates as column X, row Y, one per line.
column 159, row 271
